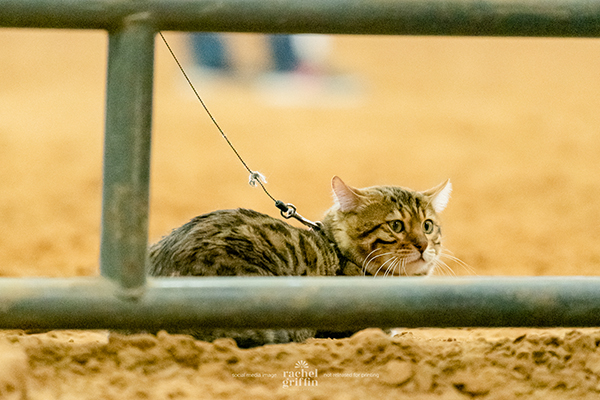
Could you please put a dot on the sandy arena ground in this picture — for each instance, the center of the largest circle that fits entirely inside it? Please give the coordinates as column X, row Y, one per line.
column 513, row 122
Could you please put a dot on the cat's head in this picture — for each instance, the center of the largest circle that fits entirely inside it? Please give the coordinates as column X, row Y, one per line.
column 388, row 230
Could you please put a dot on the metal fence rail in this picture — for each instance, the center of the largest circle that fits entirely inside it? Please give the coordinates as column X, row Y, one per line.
column 124, row 298
column 400, row 17
column 329, row 303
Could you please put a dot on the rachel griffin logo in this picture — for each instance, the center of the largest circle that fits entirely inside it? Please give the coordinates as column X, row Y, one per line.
column 303, row 376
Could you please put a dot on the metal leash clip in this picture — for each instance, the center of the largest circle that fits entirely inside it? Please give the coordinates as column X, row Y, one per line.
column 289, row 211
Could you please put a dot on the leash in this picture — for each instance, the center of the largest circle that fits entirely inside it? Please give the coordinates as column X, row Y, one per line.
column 287, row 210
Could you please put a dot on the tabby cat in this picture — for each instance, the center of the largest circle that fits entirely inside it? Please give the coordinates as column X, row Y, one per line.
column 377, row 231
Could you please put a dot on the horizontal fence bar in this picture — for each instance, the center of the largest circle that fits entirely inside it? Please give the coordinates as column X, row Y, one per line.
column 561, row 18
column 293, row 302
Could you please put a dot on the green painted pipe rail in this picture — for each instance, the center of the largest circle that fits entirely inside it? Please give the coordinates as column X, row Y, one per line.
column 127, row 142
column 577, row 18
column 294, row 302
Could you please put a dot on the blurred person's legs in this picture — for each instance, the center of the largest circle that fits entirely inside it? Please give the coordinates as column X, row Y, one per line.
column 301, row 74
column 283, row 53
column 209, row 51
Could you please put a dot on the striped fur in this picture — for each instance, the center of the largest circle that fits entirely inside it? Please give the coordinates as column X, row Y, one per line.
column 242, row 242
column 379, row 231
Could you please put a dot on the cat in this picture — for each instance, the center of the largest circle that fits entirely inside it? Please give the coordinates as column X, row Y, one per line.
column 375, row 231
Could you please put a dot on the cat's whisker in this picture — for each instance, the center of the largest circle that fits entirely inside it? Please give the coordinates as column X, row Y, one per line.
column 444, row 268
column 380, row 255
column 383, row 265
column 366, row 266
column 438, row 266
column 398, row 264
column 371, row 253
column 403, row 267
column 448, row 254
column 454, row 258
column 390, row 270
column 366, row 262
column 387, row 269
column 398, row 260
column 449, row 269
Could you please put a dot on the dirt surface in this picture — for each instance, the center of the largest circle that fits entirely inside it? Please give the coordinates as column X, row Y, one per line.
column 512, row 122
column 429, row 364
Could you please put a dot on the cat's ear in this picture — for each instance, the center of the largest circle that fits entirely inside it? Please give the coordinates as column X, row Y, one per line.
column 346, row 197
column 439, row 196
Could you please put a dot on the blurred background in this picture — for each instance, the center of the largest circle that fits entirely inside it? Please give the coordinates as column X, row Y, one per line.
column 514, row 123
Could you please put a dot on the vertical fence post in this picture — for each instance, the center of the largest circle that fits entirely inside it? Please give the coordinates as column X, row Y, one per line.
column 127, row 153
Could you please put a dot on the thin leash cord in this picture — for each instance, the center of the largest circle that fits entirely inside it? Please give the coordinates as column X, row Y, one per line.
column 287, row 210
column 253, row 177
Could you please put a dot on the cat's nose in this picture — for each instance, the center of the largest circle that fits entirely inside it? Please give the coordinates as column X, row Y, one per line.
column 421, row 245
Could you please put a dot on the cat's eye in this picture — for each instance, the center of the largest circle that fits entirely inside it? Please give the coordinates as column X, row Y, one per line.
column 428, row 226
column 396, row 225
